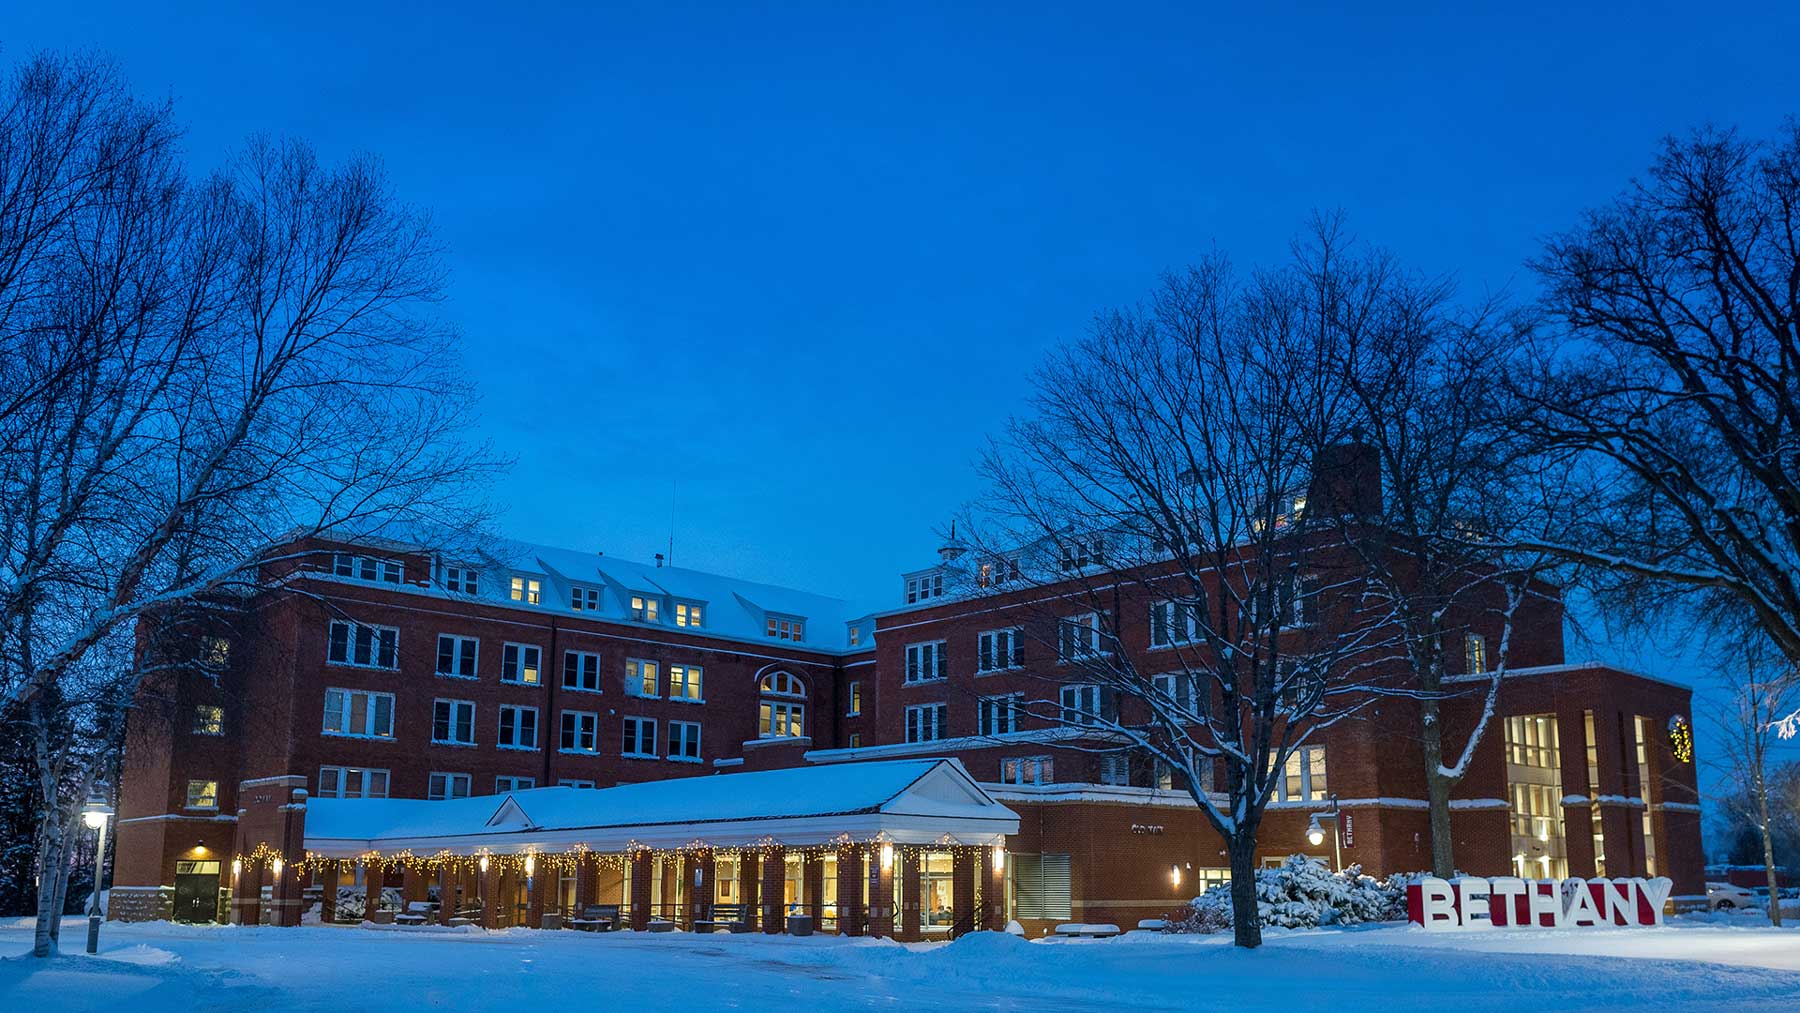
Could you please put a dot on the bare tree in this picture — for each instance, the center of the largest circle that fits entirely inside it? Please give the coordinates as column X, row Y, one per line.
column 1750, row 704
column 1161, row 482
column 1672, row 385
column 218, row 367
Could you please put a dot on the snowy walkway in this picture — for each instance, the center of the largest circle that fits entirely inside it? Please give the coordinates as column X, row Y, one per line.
column 190, row 969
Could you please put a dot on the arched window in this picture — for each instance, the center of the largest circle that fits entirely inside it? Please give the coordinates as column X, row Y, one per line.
column 782, row 714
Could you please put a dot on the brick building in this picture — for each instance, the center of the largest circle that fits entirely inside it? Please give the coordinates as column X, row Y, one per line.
column 375, row 671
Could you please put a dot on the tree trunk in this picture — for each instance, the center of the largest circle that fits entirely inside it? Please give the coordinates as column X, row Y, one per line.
column 1768, row 843
column 1443, row 849
column 44, row 938
column 1246, row 922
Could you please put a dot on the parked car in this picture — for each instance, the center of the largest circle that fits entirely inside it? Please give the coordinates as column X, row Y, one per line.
column 1722, row 896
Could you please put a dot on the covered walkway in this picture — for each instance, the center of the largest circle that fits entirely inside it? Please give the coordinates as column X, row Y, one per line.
column 912, row 849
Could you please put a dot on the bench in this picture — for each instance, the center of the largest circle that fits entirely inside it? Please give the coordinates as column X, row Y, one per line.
column 729, row 917
column 596, row 918
column 1079, row 930
column 417, row 912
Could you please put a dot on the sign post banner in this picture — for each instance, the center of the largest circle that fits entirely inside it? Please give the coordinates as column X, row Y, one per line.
column 1474, row 903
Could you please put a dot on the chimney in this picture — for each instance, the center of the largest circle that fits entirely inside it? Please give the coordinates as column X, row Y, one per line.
column 659, row 560
column 1346, row 481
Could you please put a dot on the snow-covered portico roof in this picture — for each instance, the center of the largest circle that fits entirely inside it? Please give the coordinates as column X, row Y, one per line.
column 919, row 801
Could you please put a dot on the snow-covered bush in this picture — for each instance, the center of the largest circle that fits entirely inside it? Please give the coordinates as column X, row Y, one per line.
column 1301, row 894
column 352, row 900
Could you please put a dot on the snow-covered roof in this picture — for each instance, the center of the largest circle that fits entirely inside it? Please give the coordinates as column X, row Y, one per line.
column 907, row 801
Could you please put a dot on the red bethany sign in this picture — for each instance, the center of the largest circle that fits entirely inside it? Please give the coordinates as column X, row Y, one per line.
column 1507, row 902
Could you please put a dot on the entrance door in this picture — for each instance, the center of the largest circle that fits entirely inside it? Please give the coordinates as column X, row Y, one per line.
column 196, row 891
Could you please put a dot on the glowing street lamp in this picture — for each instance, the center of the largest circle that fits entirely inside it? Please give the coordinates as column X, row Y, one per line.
column 1315, row 834
column 95, row 814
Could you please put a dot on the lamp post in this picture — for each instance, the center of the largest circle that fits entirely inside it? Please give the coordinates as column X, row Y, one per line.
column 1315, row 834
column 95, row 814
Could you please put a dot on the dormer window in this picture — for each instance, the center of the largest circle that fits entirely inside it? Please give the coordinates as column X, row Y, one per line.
column 388, row 571
column 855, row 635
column 584, row 599
column 786, row 628
column 1081, row 553
column 643, row 608
column 930, row 585
column 527, row 590
column 689, row 615
column 462, row 579
column 998, row 570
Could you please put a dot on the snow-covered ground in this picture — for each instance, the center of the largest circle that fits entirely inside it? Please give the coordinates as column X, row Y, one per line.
column 1709, row 963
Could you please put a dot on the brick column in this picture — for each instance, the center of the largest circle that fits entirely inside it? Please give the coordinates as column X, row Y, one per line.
column 852, row 916
column 328, row 896
column 537, row 888
column 412, row 884
column 490, row 895
column 881, row 894
column 640, row 890
column 774, row 889
column 909, row 896
column 510, row 879
column 447, row 882
column 749, row 887
column 962, row 889
column 697, row 872
column 587, row 880
column 246, row 895
column 373, row 879
column 812, row 888
column 993, row 889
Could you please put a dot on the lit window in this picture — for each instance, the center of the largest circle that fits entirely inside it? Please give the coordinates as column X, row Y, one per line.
column 998, row 570
column 855, row 698
column 1302, row 778
column 925, row 662
column 209, row 719
column 584, row 599
column 689, row 615
column 781, row 713
column 519, row 663
column 453, row 722
column 643, row 609
column 855, row 635
column 203, row 794
column 352, row 782
column 997, row 650
column 462, row 579
column 684, row 741
column 925, row 722
column 518, row 727
column 855, row 740
column 504, row 784
column 215, row 652
column 388, row 571
column 581, row 671
column 1475, row 653
column 359, row 714
column 527, row 590
column 363, row 645
column 1027, row 770
column 640, row 678
column 445, row 786
column 580, row 732
column 1080, row 553
column 684, row 683
column 456, row 655
column 787, row 629
column 640, row 737
column 998, row 715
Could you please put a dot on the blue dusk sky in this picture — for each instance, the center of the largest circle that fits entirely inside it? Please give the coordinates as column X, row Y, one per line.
column 785, row 269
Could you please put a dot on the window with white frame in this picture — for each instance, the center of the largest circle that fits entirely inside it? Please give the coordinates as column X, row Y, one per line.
column 684, row 741
column 1080, row 553
column 1475, row 653
column 1085, row 705
column 1078, row 637
column 518, row 727
column 925, row 662
column 359, row 714
column 998, row 715
column 641, row 678
column 997, row 570
column 690, row 615
column 640, row 737
column 574, row 782
column 1178, row 688
column 924, row 586
column 528, row 590
column 364, row 645
column 203, row 795
column 1027, row 770
column 855, row 635
column 1174, row 622
column 584, row 599
column 387, row 571
column 352, row 782
column 684, row 683
column 925, row 722
column 581, row 671
column 453, row 722
column 643, row 608
column 580, row 732
column 1302, row 777
column 462, row 579
column 521, row 664
column 786, row 628
column 1296, row 600
column 1114, row 768
column 782, row 713
column 456, row 656
column 504, row 784
column 854, row 692
column 1162, row 776
column 998, row 650
column 443, row 786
